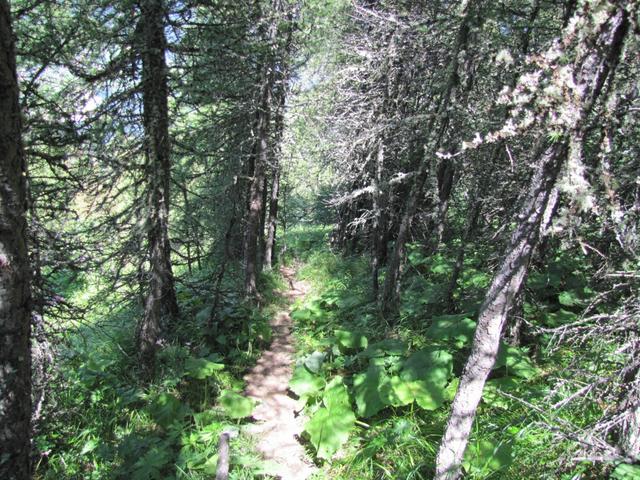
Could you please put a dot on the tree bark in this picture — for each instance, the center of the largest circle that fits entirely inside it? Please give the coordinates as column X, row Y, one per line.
column 493, row 313
column 380, row 193
column 15, row 295
column 596, row 55
column 256, row 189
column 269, row 249
column 161, row 305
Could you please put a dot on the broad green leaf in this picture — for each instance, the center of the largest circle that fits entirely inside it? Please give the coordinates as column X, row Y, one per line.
column 427, row 395
column 336, row 394
column 329, row 429
column 366, row 388
column 302, row 315
column 330, row 425
column 626, row 471
column 456, row 329
column 387, row 392
column 423, row 379
column 304, row 383
column 314, row 361
column 236, row 405
column 479, row 280
column 488, row 455
column 516, row 361
column 452, row 388
column 166, row 409
column 89, row 446
column 201, row 368
column 430, row 364
column 351, row 339
column 390, row 346
column 396, row 392
column 203, row 315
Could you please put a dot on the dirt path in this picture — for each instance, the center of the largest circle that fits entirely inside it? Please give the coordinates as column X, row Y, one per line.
column 277, row 427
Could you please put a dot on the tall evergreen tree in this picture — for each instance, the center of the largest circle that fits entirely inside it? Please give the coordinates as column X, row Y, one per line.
column 161, row 305
column 15, row 296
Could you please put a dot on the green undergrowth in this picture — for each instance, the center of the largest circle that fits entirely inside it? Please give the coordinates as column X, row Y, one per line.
column 377, row 392
column 102, row 422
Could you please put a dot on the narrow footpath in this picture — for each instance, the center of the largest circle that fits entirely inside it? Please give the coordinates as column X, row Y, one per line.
column 277, row 425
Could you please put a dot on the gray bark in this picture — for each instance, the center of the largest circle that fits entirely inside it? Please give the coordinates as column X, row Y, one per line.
column 15, row 296
column 493, row 314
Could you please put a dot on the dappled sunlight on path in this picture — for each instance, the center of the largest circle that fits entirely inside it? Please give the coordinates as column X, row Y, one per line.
column 278, row 427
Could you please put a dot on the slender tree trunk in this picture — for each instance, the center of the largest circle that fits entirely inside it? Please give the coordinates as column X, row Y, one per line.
column 596, row 56
column 269, row 249
column 493, row 313
column 15, row 295
column 160, row 305
column 380, row 193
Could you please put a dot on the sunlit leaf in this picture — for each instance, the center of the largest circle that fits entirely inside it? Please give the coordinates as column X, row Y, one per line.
column 236, row 405
column 516, row 361
column 390, row 346
column 456, row 329
column 304, row 383
column 488, row 455
column 626, row 471
column 366, row 388
column 201, row 368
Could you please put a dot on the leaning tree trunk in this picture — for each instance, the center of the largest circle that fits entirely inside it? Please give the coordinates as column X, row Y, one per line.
column 15, row 297
column 596, row 54
column 161, row 305
column 493, row 313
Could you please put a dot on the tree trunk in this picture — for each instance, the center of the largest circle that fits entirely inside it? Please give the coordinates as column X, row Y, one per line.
column 596, row 56
column 256, row 195
column 15, row 296
column 160, row 305
column 273, row 217
column 281, row 93
column 380, row 193
column 445, row 174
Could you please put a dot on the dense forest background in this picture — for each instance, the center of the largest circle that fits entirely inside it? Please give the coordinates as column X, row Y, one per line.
column 457, row 181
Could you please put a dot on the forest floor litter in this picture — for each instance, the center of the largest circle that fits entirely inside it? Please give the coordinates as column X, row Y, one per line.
column 278, row 426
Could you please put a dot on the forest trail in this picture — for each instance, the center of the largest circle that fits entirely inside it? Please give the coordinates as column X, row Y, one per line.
column 278, row 427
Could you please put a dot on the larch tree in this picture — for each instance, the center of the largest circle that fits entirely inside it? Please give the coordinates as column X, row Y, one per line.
column 161, row 305
column 15, row 297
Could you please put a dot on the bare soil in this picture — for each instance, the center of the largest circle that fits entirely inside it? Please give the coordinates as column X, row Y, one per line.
column 278, row 426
